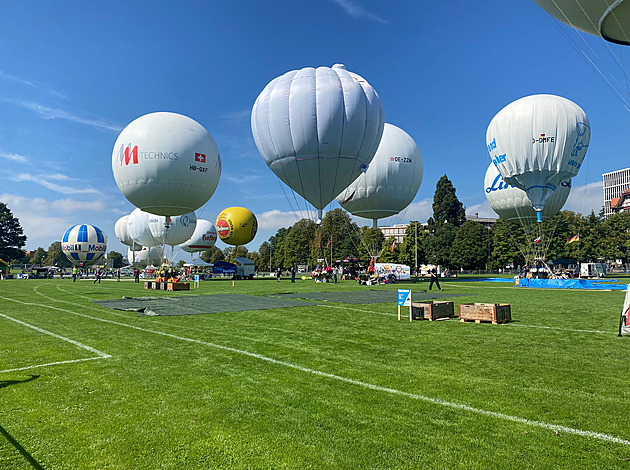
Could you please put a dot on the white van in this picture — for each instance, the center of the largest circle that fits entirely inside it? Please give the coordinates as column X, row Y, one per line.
column 393, row 272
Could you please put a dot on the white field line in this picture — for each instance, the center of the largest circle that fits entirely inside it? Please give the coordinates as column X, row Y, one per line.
column 393, row 391
column 100, row 354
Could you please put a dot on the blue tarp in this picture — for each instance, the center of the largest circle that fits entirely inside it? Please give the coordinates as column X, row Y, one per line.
column 568, row 284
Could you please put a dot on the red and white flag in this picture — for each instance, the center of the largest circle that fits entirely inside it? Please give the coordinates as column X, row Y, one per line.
column 200, row 157
column 393, row 246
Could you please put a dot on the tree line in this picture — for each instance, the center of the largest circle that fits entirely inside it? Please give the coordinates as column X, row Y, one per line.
column 448, row 239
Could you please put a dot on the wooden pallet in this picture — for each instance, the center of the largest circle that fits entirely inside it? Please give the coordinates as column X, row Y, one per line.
column 485, row 313
column 432, row 310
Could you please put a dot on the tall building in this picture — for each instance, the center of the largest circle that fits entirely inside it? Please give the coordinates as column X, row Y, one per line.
column 615, row 183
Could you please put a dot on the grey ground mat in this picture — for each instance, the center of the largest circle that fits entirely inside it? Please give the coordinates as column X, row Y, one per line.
column 198, row 304
column 363, row 297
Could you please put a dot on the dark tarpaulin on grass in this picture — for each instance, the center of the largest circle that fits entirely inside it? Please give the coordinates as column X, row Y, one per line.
column 362, row 297
column 198, row 304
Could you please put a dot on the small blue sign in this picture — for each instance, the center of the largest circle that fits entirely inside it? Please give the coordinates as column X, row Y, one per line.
column 404, row 297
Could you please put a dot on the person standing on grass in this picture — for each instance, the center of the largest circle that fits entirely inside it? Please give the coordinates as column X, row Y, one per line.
column 118, row 275
column 74, row 273
column 434, row 279
column 293, row 274
column 278, row 273
column 136, row 275
column 97, row 276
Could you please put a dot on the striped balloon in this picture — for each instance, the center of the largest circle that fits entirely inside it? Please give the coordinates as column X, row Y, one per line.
column 84, row 244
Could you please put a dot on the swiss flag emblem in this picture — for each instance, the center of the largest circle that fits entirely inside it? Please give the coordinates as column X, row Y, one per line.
column 200, row 157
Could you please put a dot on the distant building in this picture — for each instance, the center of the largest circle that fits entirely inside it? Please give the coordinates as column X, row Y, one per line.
column 615, row 184
column 398, row 231
column 620, row 204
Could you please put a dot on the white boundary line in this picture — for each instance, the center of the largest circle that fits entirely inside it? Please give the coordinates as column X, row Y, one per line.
column 100, row 354
column 436, row 401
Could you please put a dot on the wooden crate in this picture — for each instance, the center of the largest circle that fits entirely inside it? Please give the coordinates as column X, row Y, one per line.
column 495, row 313
column 432, row 310
column 175, row 286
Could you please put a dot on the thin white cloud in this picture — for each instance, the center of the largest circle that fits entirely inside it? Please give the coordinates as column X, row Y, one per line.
column 483, row 209
column 48, row 113
column 45, row 221
column 420, row 210
column 355, row 10
column 242, row 179
column 35, row 84
column 587, row 198
column 275, row 219
column 14, row 157
column 43, row 180
column 237, row 116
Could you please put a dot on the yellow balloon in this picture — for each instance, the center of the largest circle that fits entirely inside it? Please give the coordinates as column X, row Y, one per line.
column 236, row 226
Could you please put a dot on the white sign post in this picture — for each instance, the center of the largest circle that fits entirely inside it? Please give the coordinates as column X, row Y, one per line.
column 404, row 300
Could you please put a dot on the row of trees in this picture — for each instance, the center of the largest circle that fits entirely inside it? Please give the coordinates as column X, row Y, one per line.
column 447, row 239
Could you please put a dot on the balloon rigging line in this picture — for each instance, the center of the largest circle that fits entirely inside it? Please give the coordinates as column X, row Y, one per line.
column 585, row 56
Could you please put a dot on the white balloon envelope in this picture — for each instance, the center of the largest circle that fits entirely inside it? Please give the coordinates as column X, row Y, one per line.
column 146, row 256
column 84, row 243
column 120, row 229
column 180, row 228
column 391, row 181
column 166, row 164
column 537, row 142
column 609, row 19
column 512, row 203
column 204, row 237
column 317, row 128
column 138, row 228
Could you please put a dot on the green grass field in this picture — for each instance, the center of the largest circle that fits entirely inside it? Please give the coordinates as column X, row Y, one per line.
column 332, row 386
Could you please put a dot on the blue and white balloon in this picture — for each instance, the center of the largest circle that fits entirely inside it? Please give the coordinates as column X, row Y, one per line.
column 84, row 243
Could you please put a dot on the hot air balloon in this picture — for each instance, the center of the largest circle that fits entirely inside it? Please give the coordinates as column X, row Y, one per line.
column 146, row 256
column 84, row 243
column 391, row 181
column 138, row 228
column 204, row 237
column 537, row 142
column 609, row 19
column 120, row 229
column 316, row 130
column 512, row 203
column 172, row 230
column 166, row 164
column 236, row 226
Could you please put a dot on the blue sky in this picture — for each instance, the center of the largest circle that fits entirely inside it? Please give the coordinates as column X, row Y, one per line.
column 73, row 74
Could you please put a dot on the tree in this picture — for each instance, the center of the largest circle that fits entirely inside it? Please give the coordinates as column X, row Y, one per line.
column 471, row 246
column 446, row 207
column 237, row 252
column 371, row 243
column 507, row 237
column 298, row 244
column 12, row 238
column 38, row 256
column 441, row 243
column 212, row 255
column 277, row 248
column 337, row 236
column 387, row 254
column 410, row 250
column 264, row 257
column 115, row 258
column 56, row 257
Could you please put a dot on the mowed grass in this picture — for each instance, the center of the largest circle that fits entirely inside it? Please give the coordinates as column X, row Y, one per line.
column 330, row 386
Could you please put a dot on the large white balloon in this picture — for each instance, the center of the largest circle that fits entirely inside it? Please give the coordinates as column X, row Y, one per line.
column 537, row 142
column 609, row 19
column 148, row 255
column 391, row 181
column 204, row 237
column 166, row 164
column 180, row 228
column 120, row 229
column 512, row 203
column 138, row 228
column 84, row 244
column 317, row 128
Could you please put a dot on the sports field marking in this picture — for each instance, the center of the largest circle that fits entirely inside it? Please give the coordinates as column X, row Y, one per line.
column 100, row 354
column 369, row 386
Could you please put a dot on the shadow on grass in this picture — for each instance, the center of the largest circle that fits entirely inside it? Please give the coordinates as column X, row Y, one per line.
column 6, row 383
column 8, row 437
